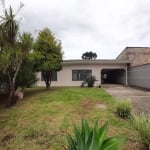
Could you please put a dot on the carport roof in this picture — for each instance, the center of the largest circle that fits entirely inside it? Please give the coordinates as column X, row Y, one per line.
column 98, row 61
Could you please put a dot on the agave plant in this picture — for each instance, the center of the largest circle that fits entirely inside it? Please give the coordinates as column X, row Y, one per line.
column 95, row 138
column 89, row 81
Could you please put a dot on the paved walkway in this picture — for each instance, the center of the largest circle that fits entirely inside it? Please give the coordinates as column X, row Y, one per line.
column 139, row 98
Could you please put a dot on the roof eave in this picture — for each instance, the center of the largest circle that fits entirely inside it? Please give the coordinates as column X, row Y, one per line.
column 94, row 62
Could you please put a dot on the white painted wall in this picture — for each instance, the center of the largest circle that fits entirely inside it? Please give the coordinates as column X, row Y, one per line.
column 64, row 77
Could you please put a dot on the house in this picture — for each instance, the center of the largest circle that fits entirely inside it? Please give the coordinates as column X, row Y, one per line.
column 125, row 69
column 139, row 67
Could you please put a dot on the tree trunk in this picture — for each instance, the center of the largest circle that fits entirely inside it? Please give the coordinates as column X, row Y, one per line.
column 50, row 77
column 145, row 146
column 11, row 101
column 47, row 85
column 47, row 76
column 10, row 98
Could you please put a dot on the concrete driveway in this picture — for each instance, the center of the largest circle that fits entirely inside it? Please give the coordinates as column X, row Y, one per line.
column 139, row 98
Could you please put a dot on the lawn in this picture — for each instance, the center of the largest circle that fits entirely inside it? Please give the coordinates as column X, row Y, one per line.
column 43, row 118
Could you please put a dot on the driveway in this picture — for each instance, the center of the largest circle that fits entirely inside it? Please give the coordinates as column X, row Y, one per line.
column 139, row 98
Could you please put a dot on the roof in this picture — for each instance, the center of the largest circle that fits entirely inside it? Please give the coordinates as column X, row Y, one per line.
column 125, row 49
column 98, row 61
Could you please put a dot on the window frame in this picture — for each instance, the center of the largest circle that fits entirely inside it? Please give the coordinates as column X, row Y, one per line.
column 80, row 71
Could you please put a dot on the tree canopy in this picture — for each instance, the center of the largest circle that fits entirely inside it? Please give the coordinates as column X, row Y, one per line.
column 89, row 56
column 48, row 54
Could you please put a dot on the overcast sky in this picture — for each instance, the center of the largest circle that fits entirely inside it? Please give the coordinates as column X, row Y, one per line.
column 102, row 26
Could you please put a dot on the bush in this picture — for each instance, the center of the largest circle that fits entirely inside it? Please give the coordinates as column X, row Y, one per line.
column 92, row 138
column 89, row 81
column 142, row 125
column 26, row 75
column 124, row 108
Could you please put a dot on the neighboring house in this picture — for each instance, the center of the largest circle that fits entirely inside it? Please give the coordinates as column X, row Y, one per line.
column 139, row 68
column 131, row 67
column 136, row 55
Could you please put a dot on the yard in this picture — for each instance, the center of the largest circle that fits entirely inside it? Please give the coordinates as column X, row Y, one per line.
column 43, row 118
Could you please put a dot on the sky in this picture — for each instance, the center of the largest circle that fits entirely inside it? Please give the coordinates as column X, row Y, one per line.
column 102, row 26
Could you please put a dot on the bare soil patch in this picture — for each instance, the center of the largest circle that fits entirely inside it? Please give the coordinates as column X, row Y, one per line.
column 90, row 104
column 101, row 106
column 8, row 137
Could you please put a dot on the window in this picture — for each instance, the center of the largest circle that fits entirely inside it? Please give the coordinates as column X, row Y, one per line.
column 80, row 75
column 54, row 76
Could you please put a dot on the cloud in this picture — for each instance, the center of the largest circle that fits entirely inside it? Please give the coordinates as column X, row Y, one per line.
column 103, row 26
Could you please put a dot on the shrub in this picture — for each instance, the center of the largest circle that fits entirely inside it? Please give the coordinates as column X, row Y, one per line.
column 89, row 81
column 124, row 108
column 95, row 138
column 142, row 125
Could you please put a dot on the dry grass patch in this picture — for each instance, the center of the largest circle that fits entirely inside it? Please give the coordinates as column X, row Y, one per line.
column 92, row 104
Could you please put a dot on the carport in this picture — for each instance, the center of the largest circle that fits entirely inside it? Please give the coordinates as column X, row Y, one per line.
column 113, row 76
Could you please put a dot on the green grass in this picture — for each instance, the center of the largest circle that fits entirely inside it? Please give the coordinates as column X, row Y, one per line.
column 43, row 118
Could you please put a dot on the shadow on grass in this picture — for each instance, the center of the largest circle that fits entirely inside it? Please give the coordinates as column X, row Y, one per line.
column 34, row 91
column 3, row 98
column 30, row 92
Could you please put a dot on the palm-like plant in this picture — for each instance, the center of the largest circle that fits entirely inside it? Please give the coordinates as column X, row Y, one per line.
column 9, row 26
column 93, row 139
column 1, row 38
column 14, row 49
column 26, row 41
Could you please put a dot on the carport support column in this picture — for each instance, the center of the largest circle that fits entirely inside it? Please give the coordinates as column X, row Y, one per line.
column 126, row 71
column 100, row 78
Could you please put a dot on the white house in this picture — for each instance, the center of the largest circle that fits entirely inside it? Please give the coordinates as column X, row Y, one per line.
column 75, row 71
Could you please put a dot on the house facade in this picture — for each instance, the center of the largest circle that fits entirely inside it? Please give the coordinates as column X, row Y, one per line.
column 75, row 71
column 122, row 70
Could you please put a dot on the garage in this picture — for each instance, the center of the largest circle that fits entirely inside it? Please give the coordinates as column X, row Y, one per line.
column 113, row 76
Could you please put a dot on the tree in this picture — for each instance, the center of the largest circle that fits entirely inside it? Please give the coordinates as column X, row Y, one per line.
column 11, row 62
column 14, row 49
column 48, row 54
column 89, row 56
column 26, row 75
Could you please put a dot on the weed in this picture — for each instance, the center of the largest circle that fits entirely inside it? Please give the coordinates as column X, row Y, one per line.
column 142, row 125
column 124, row 108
